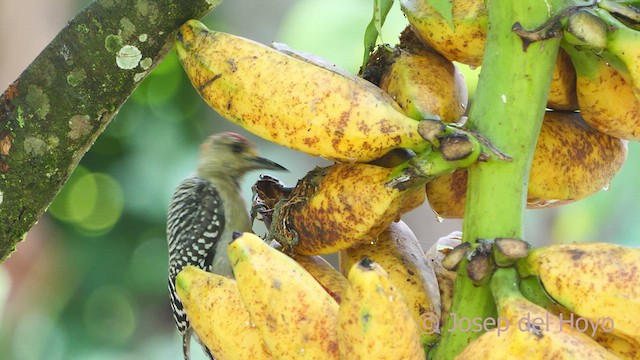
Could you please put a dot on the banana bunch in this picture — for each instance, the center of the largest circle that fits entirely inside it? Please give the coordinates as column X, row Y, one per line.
column 398, row 137
column 573, row 301
column 571, row 161
column 599, row 280
column 276, row 308
column 217, row 313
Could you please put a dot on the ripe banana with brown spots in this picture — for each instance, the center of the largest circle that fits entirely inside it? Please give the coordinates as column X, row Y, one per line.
column 293, row 102
column 571, row 161
column 398, row 251
column 607, row 101
column 424, row 83
column 218, row 315
column 342, row 205
column 333, row 282
column 596, row 281
column 562, row 92
column 295, row 315
column 526, row 330
column 464, row 42
column 374, row 321
column 330, row 278
column 336, row 207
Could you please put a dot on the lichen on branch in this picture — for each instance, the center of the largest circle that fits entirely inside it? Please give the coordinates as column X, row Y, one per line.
column 52, row 114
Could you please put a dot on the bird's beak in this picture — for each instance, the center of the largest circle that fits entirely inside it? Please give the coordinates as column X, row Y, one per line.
column 262, row 163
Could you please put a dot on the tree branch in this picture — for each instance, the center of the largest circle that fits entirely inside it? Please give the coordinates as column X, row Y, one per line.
column 52, row 114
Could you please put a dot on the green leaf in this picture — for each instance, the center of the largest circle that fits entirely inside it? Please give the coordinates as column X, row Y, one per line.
column 374, row 29
column 445, row 8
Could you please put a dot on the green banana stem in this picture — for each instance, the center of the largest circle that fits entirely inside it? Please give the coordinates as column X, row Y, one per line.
column 505, row 285
column 508, row 109
column 532, row 289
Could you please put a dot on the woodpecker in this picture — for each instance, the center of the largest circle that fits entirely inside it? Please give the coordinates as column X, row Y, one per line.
column 206, row 209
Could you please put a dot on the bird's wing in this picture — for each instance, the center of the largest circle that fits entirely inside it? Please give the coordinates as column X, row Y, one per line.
column 195, row 223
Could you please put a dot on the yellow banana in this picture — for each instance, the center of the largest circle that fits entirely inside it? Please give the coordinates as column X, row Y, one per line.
column 218, row 315
column 336, row 207
column 606, row 99
column 623, row 348
column 330, row 278
column 571, row 162
column 398, row 251
column 562, row 93
column 333, row 282
column 374, row 321
column 596, row 281
column 528, row 331
column 464, row 42
column 424, row 83
column 446, row 278
column 533, row 290
column 292, row 102
column 295, row 315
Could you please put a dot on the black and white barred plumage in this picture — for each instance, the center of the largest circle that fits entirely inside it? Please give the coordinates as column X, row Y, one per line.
column 194, row 226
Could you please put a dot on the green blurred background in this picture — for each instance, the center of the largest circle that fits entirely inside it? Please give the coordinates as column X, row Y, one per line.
column 90, row 280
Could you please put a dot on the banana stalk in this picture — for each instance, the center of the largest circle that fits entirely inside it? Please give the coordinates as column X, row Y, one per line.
column 508, row 109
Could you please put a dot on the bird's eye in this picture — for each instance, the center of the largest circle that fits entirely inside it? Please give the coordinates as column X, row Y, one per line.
column 237, row 148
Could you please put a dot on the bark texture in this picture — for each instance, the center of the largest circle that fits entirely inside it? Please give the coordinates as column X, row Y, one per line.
column 52, row 114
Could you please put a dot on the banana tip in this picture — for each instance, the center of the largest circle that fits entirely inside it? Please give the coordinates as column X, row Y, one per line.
column 184, row 280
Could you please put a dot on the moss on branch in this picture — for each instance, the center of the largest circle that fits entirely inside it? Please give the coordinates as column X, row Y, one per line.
column 52, row 114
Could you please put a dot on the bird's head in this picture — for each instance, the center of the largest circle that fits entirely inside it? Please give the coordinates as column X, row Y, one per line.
column 230, row 154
